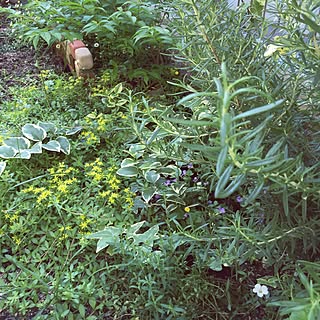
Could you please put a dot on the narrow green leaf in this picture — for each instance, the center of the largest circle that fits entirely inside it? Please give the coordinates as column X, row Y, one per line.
column 313, row 25
column 82, row 310
column 192, row 123
column 232, row 187
column 224, row 179
column 258, row 110
column 285, row 201
column 304, row 207
column 275, row 148
column 255, row 192
column 221, row 160
column 255, row 131
column 225, row 128
column 196, row 95
column 261, row 162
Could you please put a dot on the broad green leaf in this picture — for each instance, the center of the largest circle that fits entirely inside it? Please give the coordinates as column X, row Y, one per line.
column 137, row 150
column 109, row 236
column 18, row 143
column 147, row 237
column 152, row 176
column 215, row 264
column 48, row 126
column 134, row 228
column 34, row 132
column 64, row 144
column 46, row 36
column 128, row 171
column 7, row 152
column 128, row 162
column 258, row 110
column 23, row 154
column 82, row 311
column 298, row 315
column 148, row 193
column 52, row 145
column 2, row 167
column 36, row 148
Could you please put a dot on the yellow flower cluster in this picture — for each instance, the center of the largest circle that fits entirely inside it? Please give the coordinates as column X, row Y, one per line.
column 59, row 184
column 95, row 170
column 90, row 138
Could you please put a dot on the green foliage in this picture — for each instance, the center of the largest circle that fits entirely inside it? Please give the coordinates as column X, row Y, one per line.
column 166, row 207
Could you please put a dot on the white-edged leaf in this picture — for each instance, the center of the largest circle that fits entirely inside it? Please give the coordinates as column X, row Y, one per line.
column 152, row 176
column 2, row 167
column 36, row 148
column 128, row 172
column 73, row 131
column 48, row 126
column 128, row 162
column 18, row 143
column 7, row 152
column 64, row 144
column 23, row 154
column 52, row 145
column 148, row 193
column 34, row 132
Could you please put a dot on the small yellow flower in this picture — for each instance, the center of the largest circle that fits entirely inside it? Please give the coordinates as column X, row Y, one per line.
column 187, row 209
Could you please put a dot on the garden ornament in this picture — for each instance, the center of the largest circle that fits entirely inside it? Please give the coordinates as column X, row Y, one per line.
column 77, row 56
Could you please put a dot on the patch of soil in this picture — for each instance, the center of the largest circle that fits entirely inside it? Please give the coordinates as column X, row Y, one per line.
column 20, row 63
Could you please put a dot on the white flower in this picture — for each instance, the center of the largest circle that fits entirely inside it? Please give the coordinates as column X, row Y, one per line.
column 271, row 49
column 96, row 45
column 260, row 290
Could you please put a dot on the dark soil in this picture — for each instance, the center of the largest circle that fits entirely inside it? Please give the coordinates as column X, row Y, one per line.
column 20, row 63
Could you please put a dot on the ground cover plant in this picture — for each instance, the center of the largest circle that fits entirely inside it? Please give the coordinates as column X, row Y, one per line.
column 182, row 182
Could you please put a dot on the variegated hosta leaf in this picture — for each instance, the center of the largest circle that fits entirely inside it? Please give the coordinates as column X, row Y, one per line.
column 18, row 143
column 7, row 152
column 34, row 132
